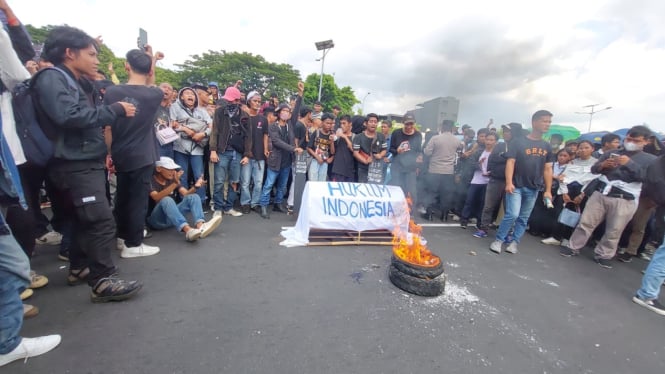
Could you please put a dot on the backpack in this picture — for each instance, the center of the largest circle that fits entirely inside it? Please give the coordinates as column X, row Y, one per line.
column 34, row 130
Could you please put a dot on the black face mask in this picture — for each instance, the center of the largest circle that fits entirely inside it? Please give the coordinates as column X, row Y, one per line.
column 232, row 109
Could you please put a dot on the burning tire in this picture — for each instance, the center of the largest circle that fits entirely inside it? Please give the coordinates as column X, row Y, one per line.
column 415, row 285
column 417, row 270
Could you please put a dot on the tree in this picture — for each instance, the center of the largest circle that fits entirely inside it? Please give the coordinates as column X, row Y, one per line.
column 228, row 67
column 331, row 95
column 38, row 35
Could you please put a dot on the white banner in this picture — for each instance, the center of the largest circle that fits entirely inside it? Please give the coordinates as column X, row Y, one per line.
column 348, row 206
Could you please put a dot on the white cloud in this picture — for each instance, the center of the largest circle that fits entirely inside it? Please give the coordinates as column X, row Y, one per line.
column 502, row 59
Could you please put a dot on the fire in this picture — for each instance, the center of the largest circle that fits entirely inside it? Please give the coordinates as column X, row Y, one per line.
column 409, row 248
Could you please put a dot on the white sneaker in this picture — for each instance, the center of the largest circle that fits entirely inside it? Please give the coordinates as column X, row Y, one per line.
column 142, row 250
column 496, row 246
column 120, row 245
column 233, row 212
column 217, row 213
column 193, row 235
column 512, row 248
column 31, row 347
column 50, row 238
column 208, row 227
column 551, row 241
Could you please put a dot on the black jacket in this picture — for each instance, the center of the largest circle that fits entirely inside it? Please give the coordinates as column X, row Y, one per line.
column 77, row 123
column 221, row 130
column 654, row 185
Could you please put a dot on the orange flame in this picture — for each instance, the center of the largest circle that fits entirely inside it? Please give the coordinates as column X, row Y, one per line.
column 415, row 252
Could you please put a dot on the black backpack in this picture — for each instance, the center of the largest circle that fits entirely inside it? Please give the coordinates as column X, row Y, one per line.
column 34, row 130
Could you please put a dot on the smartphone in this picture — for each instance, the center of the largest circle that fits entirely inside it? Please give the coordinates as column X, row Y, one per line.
column 142, row 39
column 614, row 155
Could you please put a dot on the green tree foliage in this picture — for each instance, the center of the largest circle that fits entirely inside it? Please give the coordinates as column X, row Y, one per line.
column 226, row 68
column 38, row 35
column 331, row 94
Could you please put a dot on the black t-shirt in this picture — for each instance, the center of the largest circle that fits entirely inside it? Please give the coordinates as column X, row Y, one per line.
column 300, row 133
column 133, row 144
column 530, row 159
column 412, row 144
column 157, row 187
column 320, row 143
column 259, row 126
column 343, row 164
column 369, row 146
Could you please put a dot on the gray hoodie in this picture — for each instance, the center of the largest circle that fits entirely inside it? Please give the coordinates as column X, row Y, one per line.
column 180, row 112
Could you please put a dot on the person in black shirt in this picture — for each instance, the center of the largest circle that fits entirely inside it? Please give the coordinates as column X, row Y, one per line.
column 133, row 152
column 253, row 170
column 528, row 168
column 343, row 166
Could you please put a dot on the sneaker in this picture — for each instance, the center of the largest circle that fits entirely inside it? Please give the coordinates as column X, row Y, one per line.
column 29, row 311
column 63, row 256
column 147, row 233
column 193, row 234
column 621, row 250
column 644, row 256
column 480, row 234
column 625, row 257
column 496, row 246
column 120, row 245
column 463, row 224
column 113, row 289
column 289, row 210
column 50, row 238
column 551, row 241
column 652, row 305
column 27, row 293
column 30, row 347
column 37, row 281
column 512, row 248
column 78, row 276
column 208, row 227
column 232, row 212
column 245, row 209
column 567, row 252
column 142, row 250
column 217, row 213
column 607, row 264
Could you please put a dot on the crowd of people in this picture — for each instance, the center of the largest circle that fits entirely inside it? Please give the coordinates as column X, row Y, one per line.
column 134, row 158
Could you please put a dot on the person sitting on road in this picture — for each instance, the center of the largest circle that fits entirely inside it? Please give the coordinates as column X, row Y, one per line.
column 165, row 213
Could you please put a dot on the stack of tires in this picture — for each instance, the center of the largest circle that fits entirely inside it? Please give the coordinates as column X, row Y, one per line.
column 415, row 279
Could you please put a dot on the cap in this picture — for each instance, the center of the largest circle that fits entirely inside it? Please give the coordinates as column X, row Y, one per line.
column 251, row 95
column 199, row 86
column 232, row 94
column 408, row 118
column 213, row 84
column 167, row 163
column 282, row 106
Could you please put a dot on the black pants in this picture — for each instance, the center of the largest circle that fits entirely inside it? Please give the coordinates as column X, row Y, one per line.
column 32, row 179
column 131, row 203
column 81, row 184
column 441, row 189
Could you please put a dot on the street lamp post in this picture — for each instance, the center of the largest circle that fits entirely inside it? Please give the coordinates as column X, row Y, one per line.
column 324, row 46
column 592, row 111
column 363, row 103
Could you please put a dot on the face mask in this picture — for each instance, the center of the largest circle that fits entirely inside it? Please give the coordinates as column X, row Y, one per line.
column 631, row 147
column 232, row 109
column 284, row 116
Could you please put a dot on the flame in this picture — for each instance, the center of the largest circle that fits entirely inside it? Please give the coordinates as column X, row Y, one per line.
column 408, row 246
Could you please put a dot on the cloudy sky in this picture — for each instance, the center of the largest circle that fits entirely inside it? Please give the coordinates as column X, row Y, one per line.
column 502, row 59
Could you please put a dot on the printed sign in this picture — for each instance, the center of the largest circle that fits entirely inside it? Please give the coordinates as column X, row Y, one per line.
column 348, row 206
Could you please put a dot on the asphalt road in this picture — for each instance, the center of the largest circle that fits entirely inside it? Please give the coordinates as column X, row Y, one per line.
column 238, row 302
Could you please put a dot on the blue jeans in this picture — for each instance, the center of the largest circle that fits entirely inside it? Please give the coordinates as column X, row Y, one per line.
column 253, row 170
column 228, row 165
column 281, row 177
column 184, row 161
column 654, row 276
column 317, row 172
column 11, row 308
column 518, row 206
column 167, row 214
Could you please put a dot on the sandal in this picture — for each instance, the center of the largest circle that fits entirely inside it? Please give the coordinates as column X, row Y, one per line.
column 76, row 277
